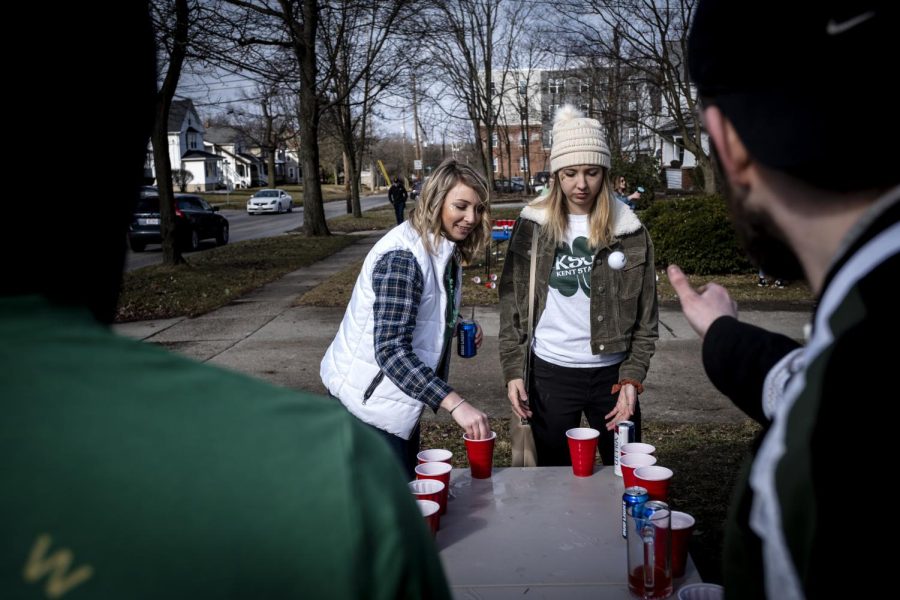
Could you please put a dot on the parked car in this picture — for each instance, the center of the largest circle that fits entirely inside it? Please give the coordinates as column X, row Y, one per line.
column 416, row 190
column 195, row 220
column 270, row 201
column 509, row 185
column 148, row 190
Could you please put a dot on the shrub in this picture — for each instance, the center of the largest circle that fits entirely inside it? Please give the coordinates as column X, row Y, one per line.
column 696, row 234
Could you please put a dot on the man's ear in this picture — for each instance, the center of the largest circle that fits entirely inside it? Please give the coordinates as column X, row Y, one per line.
column 733, row 155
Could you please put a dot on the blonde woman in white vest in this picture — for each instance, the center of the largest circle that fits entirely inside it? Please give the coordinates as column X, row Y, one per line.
column 390, row 358
column 595, row 311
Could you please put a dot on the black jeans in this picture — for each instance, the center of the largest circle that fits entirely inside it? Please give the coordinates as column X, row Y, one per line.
column 399, row 209
column 557, row 397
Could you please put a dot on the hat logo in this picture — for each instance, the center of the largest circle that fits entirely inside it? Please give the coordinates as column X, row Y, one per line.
column 835, row 28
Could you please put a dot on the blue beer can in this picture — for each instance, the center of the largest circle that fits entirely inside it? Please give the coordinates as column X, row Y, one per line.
column 465, row 333
column 633, row 501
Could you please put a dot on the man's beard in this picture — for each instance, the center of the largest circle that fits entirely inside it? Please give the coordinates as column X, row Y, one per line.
column 761, row 238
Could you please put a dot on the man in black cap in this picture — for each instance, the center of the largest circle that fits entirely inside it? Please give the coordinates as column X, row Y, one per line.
column 397, row 196
column 813, row 192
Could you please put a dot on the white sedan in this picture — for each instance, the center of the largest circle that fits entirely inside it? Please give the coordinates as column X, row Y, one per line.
column 270, row 201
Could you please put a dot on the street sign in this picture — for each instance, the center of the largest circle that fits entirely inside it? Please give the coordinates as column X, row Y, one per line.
column 417, row 165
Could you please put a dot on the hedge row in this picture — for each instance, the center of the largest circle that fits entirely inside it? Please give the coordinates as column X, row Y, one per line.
column 696, row 234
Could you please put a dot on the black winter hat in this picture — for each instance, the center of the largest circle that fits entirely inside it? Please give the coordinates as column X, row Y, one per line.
column 805, row 84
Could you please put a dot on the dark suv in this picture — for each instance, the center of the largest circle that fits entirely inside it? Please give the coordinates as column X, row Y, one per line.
column 195, row 220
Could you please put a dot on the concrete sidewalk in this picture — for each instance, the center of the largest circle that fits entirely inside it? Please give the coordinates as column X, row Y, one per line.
column 263, row 335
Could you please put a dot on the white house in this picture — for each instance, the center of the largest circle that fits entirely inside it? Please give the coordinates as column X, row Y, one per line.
column 187, row 150
column 237, row 166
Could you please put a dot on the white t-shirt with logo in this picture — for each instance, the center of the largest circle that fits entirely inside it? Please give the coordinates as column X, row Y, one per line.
column 563, row 335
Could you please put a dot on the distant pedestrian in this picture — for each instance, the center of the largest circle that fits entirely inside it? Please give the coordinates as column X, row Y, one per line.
column 397, row 196
column 391, row 356
column 620, row 193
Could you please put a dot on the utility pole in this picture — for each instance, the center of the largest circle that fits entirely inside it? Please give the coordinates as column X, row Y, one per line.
column 415, row 104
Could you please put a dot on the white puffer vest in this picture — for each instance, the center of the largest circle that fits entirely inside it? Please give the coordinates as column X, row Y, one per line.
column 349, row 369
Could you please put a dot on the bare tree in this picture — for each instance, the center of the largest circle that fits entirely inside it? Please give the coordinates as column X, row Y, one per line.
column 272, row 127
column 530, row 54
column 648, row 38
column 170, row 21
column 465, row 35
column 355, row 37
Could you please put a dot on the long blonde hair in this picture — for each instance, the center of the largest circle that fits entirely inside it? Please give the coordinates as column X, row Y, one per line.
column 600, row 226
column 426, row 216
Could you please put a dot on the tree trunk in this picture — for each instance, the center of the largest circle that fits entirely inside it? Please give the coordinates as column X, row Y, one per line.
column 314, row 223
column 270, row 165
column 171, row 252
column 347, row 180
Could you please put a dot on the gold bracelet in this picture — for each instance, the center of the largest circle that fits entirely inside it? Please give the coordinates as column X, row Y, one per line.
column 457, row 406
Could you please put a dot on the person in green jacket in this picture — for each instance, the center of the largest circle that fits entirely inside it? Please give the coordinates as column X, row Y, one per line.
column 595, row 306
column 130, row 472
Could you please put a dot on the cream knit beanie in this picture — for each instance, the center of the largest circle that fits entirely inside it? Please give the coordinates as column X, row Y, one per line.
column 577, row 140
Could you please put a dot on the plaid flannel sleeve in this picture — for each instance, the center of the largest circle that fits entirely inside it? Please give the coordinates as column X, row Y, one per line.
column 397, row 282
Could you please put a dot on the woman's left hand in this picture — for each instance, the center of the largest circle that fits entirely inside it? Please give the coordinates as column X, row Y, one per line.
column 479, row 337
column 624, row 408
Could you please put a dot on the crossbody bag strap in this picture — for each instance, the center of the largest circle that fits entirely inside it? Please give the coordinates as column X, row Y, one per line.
column 530, row 326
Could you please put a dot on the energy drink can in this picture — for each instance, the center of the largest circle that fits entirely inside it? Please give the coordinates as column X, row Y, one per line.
column 624, row 435
column 465, row 333
column 633, row 501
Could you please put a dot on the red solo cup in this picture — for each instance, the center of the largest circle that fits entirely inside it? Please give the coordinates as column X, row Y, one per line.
column 630, row 462
column 431, row 511
column 656, row 480
column 481, row 455
column 427, row 489
column 637, row 448
column 434, row 455
column 682, row 529
column 439, row 471
column 583, row 449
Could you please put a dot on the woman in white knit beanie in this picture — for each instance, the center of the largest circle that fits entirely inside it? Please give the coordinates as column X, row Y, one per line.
column 595, row 306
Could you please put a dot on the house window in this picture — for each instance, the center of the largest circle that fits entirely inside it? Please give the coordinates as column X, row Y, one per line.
column 552, row 111
column 496, row 162
column 495, row 139
column 523, row 114
column 548, row 139
column 523, row 164
column 493, row 89
column 679, row 149
column 523, row 87
column 557, row 86
column 584, row 87
column 585, row 109
column 523, row 138
column 240, row 170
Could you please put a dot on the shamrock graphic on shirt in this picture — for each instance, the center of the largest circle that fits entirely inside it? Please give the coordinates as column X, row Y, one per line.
column 572, row 268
